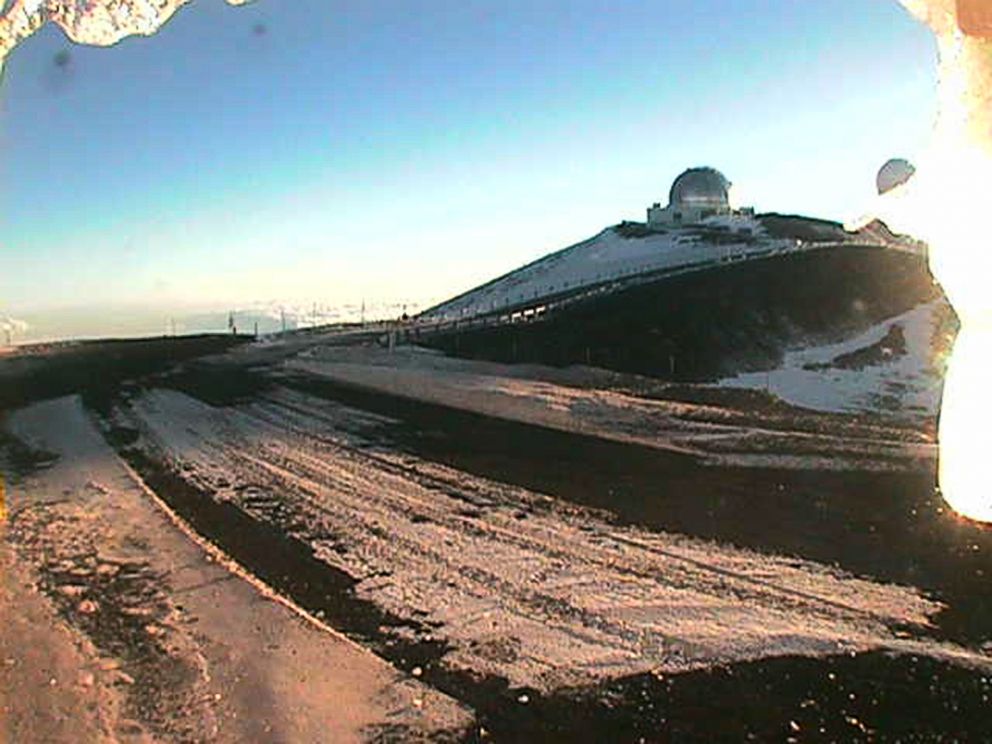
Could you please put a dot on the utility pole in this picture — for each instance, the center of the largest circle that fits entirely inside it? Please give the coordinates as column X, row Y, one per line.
column 363, row 312
column 282, row 314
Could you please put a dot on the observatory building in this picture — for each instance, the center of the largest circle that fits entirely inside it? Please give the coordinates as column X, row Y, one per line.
column 695, row 195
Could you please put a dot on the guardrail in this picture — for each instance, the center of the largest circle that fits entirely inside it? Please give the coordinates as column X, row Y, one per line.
column 539, row 308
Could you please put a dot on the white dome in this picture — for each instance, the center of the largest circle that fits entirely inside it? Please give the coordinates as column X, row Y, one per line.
column 700, row 188
column 894, row 173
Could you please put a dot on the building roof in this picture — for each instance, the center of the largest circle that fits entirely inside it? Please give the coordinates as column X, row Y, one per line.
column 700, row 187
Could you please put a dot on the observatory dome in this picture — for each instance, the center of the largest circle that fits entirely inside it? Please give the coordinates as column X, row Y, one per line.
column 700, row 188
column 894, row 173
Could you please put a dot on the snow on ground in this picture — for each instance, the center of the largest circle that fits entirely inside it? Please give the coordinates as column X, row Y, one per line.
column 902, row 385
column 542, row 593
column 608, row 255
column 714, row 433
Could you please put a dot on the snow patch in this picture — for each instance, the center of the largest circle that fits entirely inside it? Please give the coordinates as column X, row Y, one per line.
column 908, row 385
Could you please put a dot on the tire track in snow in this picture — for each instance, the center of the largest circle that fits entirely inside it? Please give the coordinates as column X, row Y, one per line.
column 576, row 606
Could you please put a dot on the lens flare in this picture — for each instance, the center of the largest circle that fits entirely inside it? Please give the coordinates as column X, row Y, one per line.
column 947, row 204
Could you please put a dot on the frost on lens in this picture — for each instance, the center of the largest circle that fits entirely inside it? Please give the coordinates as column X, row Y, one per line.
column 96, row 22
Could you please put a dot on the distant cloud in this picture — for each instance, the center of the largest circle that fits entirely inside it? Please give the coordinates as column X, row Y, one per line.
column 12, row 326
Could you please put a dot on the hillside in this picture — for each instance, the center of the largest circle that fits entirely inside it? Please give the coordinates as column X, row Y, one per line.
column 774, row 302
column 629, row 252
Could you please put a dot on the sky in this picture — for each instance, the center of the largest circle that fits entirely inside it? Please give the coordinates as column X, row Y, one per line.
column 330, row 151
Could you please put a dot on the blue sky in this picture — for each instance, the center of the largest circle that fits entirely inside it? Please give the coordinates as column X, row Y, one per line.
column 387, row 148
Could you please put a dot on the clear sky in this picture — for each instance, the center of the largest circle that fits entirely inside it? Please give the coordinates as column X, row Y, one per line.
column 328, row 150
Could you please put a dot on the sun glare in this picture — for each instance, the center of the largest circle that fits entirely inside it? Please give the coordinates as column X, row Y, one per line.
column 947, row 204
column 964, row 416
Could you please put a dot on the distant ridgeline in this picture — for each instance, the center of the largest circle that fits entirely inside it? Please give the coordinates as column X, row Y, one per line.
column 690, row 302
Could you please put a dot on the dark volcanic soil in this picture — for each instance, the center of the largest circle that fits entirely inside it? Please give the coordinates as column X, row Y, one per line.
column 93, row 366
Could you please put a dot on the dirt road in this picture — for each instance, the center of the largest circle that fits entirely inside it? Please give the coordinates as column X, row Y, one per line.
column 155, row 635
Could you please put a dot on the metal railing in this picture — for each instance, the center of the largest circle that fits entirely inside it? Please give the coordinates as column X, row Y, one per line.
column 540, row 306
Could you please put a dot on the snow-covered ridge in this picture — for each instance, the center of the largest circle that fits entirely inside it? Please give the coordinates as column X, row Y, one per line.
column 627, row 251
